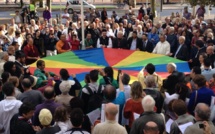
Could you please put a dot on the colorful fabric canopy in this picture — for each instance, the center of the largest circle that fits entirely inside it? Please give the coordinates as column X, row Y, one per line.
column 131, row 62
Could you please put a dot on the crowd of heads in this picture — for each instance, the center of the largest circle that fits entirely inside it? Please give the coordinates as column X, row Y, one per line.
column 62, row 104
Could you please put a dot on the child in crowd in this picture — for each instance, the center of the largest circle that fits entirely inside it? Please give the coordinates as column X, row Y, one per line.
column 62, row 119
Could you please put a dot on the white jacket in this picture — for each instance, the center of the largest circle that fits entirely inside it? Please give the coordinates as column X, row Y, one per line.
column 8, row 107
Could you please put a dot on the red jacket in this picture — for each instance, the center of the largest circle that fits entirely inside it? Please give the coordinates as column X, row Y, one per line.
column 30, row 51
column 75, row 44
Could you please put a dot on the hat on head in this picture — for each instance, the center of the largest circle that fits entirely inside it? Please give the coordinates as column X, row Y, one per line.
column 66, row 85
column 45, row 117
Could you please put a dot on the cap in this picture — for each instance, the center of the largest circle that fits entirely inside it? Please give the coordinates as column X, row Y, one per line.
column 45, row 117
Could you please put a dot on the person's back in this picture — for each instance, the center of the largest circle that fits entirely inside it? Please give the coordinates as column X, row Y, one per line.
column 138, row 124
column 45, row 118
column 20, row 123
column 202, row 124
column 49, row 130
column 76, row 118
column 48, row 104
column 208, row 73
column 157, row 96
column 32, row 96
column 127, row 92
column 148, row 105
column 92, row 92
column 110, row 126
column 174, row 78
column 127, row 87
column 202, row 95
column 8, row 107
column 179, row 107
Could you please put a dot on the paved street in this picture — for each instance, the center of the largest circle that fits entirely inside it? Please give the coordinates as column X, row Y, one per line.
column 167, row 10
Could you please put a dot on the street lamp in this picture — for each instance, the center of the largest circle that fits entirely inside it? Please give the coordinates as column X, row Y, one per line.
column 82, row 25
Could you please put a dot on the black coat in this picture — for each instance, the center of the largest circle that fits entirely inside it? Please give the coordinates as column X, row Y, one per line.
column 122, row 43
column 172, row 80
column 183, row 53
column 138, row 124
column 20, row 126
column 103, row 15
column 157, row 96
column 139, row 43
column 173, row 41
column 212, row 58
column 195, row 55
column 148, row 48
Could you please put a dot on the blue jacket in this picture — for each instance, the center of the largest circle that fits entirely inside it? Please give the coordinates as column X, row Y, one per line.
column 155, row 38
column 203, row 96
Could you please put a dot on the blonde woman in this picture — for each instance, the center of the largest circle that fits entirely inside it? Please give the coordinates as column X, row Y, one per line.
column 11, row 34
column 115, row 28
column 3, row 29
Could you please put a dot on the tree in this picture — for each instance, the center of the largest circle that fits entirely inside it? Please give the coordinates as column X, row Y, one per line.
column 201, row 2
column 153, row 7
column 132, row 3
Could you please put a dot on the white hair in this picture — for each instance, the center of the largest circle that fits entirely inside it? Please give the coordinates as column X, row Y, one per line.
column 65, row 86
column 182, row 37
column 120, row 32
column 75, row 25
column 148, row 103
column 172, row 29
column 3, row 54
column 108, row 25
column 150, row 81
column 172, row 65
column 139, row 26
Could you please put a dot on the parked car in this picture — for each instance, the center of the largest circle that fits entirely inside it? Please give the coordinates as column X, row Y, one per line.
column 73, row 5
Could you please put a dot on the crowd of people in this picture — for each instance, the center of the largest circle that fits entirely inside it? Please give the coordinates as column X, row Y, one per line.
column 42, row 102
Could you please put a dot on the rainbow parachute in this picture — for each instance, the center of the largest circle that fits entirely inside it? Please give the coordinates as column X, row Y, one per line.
column 131, row 62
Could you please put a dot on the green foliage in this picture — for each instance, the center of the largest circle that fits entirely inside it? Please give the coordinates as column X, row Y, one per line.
column 201, row 2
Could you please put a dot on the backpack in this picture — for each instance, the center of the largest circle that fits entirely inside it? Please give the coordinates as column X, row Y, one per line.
column 95, row 99
column 77, row 130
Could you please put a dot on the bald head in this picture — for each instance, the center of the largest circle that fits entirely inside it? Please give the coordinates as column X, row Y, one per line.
column 151, row 128
column 49, row 93
column 26, row 83
column 210, row 50
column 111, row 111
column 202, row 112
column 181, row 40
column 110, row 92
